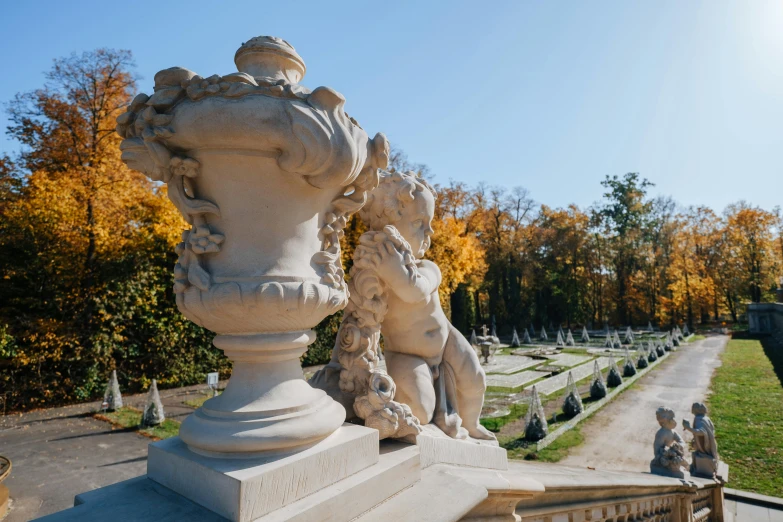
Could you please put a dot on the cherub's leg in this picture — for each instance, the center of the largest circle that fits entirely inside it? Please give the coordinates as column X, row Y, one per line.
column 413, row 379
column 470, row 382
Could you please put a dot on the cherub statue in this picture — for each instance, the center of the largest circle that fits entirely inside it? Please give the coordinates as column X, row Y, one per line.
column 669, row 446
column 434, row 375
column 705, row 454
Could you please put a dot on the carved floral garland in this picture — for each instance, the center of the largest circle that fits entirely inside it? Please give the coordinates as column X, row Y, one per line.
column 359, row 336
column 146, row 120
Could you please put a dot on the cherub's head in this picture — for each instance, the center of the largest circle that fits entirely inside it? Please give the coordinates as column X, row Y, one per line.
column 405, row 201
column 699, row 408
column 665, row 418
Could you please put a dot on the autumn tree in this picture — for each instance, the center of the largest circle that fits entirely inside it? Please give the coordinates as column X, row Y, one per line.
column 86, row 247
column 626, row 212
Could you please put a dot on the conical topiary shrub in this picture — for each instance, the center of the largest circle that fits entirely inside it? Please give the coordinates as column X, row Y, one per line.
column 515, row 339
column 629, row 336
column 585, row 335
column 597, row 386
column 652, row 356
column 629, row 370
column 153, row 410
column 613, row 378
column 569, row 339
column 641, row 360
column 559, row 342
column 526, row 338
column 572, row 401
column 543, row 336
column 536, row 427
column 660, row 350
column 616, row 340
column 112, row 398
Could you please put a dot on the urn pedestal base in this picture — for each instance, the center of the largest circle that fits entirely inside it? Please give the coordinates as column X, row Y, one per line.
column 267, row 409
column 244, row 490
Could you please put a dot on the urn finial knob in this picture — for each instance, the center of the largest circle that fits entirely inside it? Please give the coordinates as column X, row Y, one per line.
column 270, row 57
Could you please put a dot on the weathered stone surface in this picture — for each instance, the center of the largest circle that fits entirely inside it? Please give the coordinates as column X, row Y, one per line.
column 668, row 447
column 245, row 489
column 394, row 288
column 705, row 458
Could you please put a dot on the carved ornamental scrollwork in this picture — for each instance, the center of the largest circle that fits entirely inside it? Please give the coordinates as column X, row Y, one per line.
column 319, row 142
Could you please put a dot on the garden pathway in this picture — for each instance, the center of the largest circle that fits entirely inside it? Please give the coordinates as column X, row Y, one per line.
column 620, row 435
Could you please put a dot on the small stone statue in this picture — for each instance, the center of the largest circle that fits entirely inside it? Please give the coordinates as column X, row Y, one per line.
column 669, row 447
column 705, row 449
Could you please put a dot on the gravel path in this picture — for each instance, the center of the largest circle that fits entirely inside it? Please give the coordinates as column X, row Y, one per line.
column 620, row 435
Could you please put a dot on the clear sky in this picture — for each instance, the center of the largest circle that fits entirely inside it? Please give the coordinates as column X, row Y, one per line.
column 551, row 96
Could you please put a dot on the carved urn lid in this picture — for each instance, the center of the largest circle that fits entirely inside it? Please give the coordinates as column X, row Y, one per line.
column 270, row 57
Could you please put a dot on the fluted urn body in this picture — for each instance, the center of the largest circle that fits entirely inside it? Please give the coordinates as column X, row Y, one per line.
column 266, row 172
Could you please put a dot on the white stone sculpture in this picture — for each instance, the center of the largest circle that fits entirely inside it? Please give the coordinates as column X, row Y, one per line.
column 434, row 375
column 536, row 427
column 585, row 335
column 705, row 456
column 266, row 172
column 112, row 398
column 668, row 447
column 153, row 413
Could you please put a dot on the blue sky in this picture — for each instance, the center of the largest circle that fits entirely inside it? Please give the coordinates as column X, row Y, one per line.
column 551, row 96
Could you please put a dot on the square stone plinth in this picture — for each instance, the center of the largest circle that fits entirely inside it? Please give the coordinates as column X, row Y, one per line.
column 245, row 489
column 437, row 448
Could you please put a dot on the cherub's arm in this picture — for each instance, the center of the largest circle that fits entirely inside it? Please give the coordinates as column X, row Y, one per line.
column 411, row 283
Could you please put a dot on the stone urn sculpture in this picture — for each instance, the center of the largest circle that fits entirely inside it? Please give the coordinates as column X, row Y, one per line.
column 266, row 172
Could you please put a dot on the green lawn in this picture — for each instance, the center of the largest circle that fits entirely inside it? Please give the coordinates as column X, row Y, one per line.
column 129, row 418
column 746, row 406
